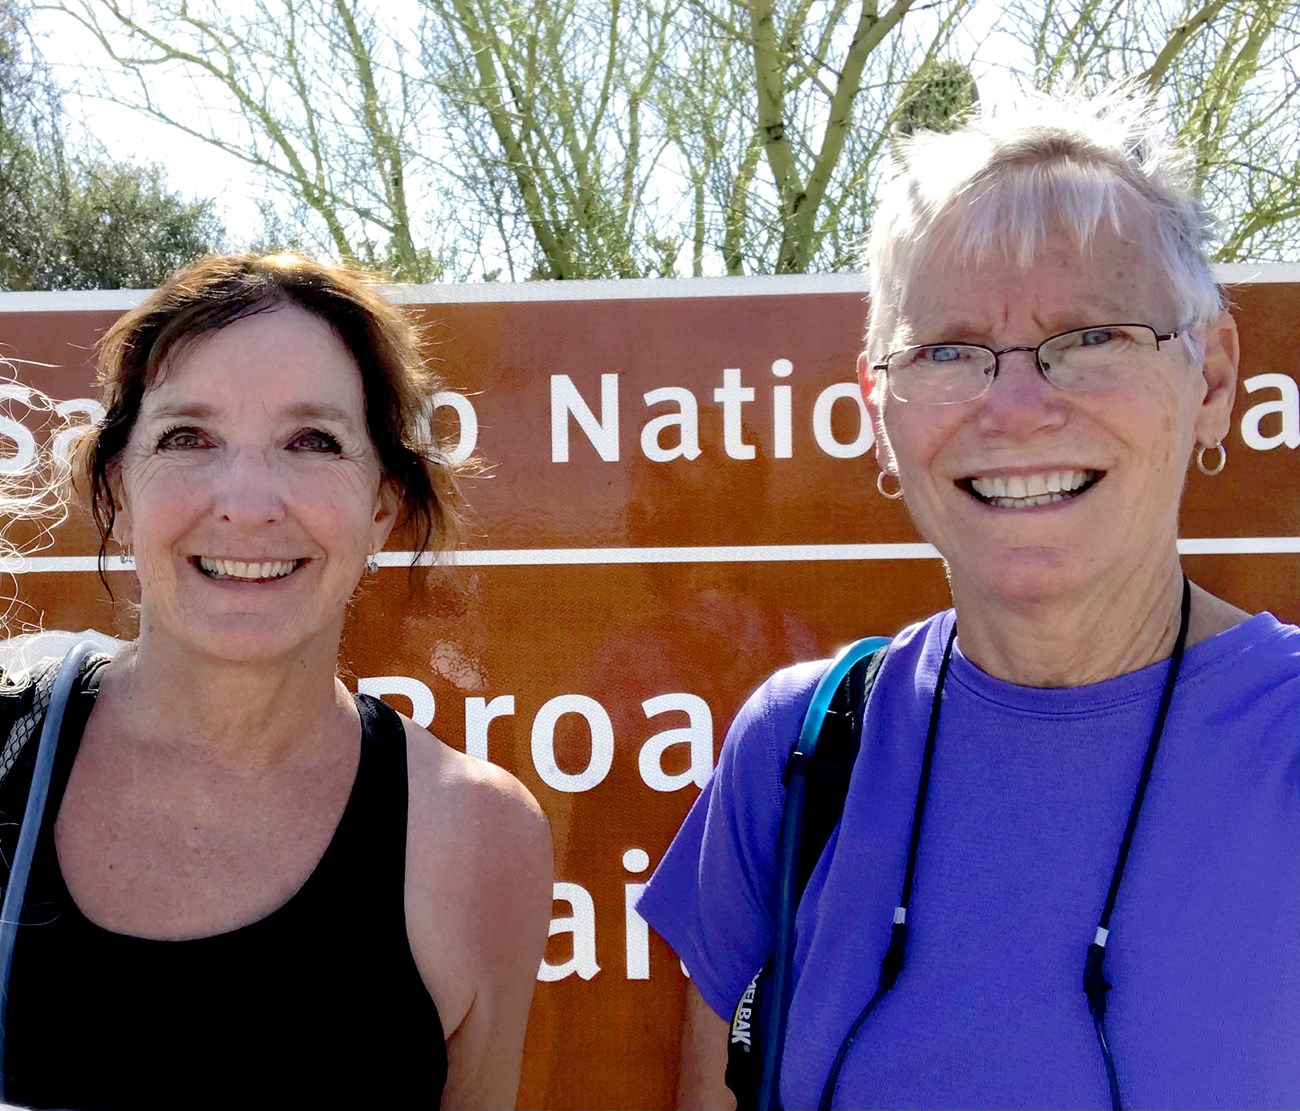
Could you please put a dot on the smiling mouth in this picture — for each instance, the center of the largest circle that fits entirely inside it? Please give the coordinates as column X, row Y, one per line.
column 239, row 570
column 1030, row 491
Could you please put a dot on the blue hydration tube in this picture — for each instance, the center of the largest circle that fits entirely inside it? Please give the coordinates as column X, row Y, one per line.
column 11, row 910
column 781, row 985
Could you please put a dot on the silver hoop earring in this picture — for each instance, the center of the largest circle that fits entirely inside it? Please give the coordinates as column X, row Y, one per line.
column 892, row 495
column 126, row 556
column 1222, row 461
column 372, row 563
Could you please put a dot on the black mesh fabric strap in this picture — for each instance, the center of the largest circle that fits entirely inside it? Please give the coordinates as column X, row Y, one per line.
column 30, row 703
column 23, row 707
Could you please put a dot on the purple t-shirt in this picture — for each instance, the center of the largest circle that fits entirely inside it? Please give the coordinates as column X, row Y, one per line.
column 1030, row 792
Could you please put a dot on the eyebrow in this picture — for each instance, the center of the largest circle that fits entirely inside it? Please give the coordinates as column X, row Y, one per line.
column 1098, row 312
column 182, row 411
column 315, row 410
column 309, row 410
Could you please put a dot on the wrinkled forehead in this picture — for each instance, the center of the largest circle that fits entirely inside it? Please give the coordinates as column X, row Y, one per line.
column 1111, row 276
column 284, row 356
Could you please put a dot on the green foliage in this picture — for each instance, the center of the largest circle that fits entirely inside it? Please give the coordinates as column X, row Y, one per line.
column 71, row 218
column 98, row 224
column 621, row 138
column 935, row 97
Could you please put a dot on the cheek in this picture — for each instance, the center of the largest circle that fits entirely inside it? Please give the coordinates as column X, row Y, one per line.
column 1170, row 420
column 915, row 436
column 346, row 498
column 158, row 497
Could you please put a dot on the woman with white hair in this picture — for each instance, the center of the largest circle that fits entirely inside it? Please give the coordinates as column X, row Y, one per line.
column 1083, row 777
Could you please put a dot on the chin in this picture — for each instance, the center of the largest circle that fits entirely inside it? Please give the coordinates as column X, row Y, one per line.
column 1023, row 575
column 251, row 646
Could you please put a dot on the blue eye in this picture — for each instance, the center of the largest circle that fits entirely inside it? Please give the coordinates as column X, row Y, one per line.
column 941, row 353
column 181, row 437
column 1096, row 337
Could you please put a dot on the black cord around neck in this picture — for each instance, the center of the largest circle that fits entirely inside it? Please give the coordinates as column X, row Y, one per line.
column 1094, row 981
column 896, row 951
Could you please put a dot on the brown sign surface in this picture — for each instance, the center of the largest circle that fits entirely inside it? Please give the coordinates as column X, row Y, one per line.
column 679, row 499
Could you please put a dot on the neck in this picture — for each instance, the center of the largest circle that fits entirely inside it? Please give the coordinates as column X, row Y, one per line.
column 1121, row 624
column 246, row 716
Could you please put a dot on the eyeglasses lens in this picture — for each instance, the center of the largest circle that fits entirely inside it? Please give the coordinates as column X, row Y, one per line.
column 1087, row 359
column 941, row 374
column 1092, row 359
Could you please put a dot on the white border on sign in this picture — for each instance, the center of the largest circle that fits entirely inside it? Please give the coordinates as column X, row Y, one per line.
column 754, row 553
column 618, row 289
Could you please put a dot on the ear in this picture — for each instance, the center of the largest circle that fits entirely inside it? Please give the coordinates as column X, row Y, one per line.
column 1222, row 350
column 387, row 501
column 872, row 397
column 121, row 507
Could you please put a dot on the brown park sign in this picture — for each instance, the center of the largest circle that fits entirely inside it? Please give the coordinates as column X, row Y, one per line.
column 679, row 498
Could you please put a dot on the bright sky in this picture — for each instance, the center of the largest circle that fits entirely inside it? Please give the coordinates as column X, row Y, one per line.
column 198, row 169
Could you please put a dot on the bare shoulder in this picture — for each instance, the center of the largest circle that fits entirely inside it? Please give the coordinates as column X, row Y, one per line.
column 478, row 904
column 480, row 808
column 473, row 832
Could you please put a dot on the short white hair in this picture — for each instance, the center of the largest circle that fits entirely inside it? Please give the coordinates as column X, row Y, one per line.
column 1003, row 183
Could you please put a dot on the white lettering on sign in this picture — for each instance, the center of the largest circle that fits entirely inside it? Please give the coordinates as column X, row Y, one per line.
column 782, row 412
column 1285, row 406
column 466, row 423
column 581, row 926
column 666, row 437
column 580, row 923
column 64, row 439
column 417, row 693
column 601, row 432
column 697, row 735
column 24, row 443
column 543, row 743
column 636, row 934
column 686, row 420
column 479, row 714
column 822, row 431
column 731, row 395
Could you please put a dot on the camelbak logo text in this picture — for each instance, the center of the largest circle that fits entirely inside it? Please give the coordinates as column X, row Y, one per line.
column 740, row 1025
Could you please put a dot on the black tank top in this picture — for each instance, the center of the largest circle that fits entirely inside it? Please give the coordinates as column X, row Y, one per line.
column 317, row 1005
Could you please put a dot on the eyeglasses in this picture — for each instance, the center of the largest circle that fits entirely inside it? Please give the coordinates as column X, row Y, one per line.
column 1082, row 360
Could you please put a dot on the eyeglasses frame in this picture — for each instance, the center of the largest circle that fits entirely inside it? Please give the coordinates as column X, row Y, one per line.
column 1161, row 337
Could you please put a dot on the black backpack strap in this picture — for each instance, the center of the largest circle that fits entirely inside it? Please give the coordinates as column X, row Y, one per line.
column 832, row 765
column 29, row 704
column 829, row 771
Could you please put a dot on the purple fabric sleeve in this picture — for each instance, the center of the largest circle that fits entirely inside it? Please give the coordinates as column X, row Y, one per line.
column 712, row 896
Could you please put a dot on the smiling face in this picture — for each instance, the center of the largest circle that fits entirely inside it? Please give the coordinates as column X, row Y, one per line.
column 1032, row 492
column 251, row 492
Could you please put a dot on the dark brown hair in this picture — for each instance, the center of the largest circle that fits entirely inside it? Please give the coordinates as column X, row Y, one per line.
column 214, row 292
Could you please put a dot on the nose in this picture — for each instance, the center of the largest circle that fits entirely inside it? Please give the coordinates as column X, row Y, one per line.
column 1020, row 401
column 249, row 490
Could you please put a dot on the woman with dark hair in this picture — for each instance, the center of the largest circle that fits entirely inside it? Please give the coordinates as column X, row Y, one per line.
column 251, row 888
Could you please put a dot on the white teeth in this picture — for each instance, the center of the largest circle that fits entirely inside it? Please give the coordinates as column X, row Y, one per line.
column 240, row 569
column 1028, row 491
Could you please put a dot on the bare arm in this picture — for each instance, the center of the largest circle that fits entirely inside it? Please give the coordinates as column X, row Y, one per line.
column 701, row 1085
column 479, row 882
column 485, row 1052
